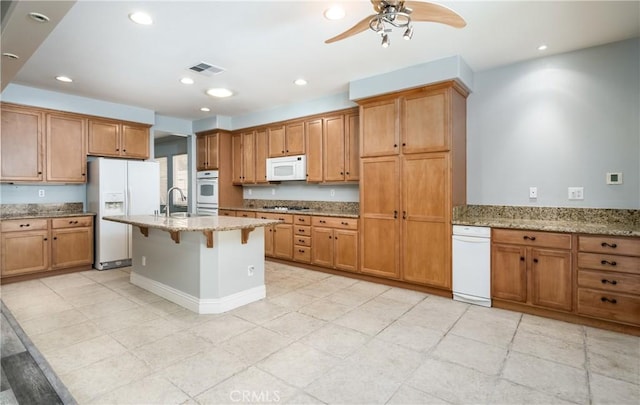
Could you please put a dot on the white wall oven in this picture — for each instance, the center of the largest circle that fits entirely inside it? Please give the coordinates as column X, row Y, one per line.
column 207, row 192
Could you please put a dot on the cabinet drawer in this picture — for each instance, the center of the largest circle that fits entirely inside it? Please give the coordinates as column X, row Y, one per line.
column 302, row 219
column 302, row 230
column 24, row 225
column 609, row 281
column 302, row 254
column 226, row 213
column 71, row 222
column 245, row 214
column 608, row 245
column 532, row 238
column 302, row 240
column 285, row 218
column 607, row 305
column 335, row 222
column 625, row 264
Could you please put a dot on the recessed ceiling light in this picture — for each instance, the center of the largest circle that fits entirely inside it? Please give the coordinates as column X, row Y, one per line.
column 39, row 17
column 334, row 13
column 65, row 79
column 10, row 55
column 141, row 18
column 300, row 82
column 205, row 109
column 186, row 80
column 219, row 92
column 542, row 47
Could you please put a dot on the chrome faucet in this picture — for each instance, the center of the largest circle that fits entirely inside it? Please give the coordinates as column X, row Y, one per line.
column 169, row 196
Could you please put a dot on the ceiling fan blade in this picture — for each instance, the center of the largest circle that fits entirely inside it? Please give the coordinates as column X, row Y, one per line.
column 434, row 13
column 376, row 5
column 356, row 29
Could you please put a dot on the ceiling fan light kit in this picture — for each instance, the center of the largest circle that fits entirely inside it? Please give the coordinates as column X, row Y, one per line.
column 400, row 14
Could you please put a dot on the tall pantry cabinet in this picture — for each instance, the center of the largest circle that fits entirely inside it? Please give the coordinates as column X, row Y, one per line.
column 412, row 174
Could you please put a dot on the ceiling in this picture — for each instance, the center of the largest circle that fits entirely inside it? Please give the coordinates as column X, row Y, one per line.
column 265, row 45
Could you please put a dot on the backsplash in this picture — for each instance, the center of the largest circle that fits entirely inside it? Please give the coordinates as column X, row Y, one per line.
column 327, row 206
column 12, row 210
column 590, row 215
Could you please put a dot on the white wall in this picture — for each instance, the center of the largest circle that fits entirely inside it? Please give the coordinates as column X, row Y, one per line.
column 299, row 190
column 556, row 122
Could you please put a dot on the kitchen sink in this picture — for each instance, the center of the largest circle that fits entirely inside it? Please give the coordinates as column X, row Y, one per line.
column 183, row 215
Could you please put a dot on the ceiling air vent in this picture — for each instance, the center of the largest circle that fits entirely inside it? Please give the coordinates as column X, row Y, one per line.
column 206, row 69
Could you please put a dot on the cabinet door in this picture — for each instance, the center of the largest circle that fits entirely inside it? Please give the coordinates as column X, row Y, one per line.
column 71, row 247
column 315, row 150
column 283, row 241
column 322, row 252
column 104, row 138
column 334, row 148
column 24, row 252
column 379, row 224
column 66, row 148
column 276, row 141
column 21, row 144
column 248, row 157
column 551, row 279
column 380, row 128
column 345, row 250
column 294, row 138
column 212, row 152
column 426, row 237
column 236, row 147
column 425, row 122
column 135, row 141
column 261, row 155
column 509, row 272
column 268, row 240
column 352, row 153
column 202, row 151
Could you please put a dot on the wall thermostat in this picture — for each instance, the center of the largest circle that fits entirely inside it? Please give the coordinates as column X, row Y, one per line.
column 614, row 178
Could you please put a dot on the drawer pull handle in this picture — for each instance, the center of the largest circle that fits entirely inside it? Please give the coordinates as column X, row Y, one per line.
column 612, row 282
column 395, row 214
column 322, row 221
column 604, row 262
column 611, row 245
column 21, row 225
column 301, row 240
column 611, row 300
column 531, row 238
column 300, row 251
column 535, row 260
column 522, row 258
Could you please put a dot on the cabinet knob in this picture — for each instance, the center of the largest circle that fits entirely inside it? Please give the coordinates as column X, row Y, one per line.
column 39, row 172
column 83, row 174
column 301, row 240
column 609, row 300
column 611, row 245
column 117, row 150
column 612, row 282
column 55, row 238
column 329, row 237
column 341, row 173
column 124, row 150
column 404, row 214
column 535, row 260
column 404, row 144
column 287, row 150
column 605, row 262
column 282, row 151
column 522, row 258
column 347, row 173
column 45, row 239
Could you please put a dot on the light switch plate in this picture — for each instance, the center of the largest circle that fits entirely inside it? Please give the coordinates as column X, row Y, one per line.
column 576, row 193
column 533, row 192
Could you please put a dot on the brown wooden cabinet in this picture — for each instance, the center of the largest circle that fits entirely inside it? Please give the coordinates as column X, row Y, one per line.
column 302, row 238
column 118, row 139
column 227, row 213
column 262, row 152
column 315, row 150
column 408, row 190
column 41, row 245
column 533, row 268
column 207, row 147
column 21, row 144
column 279, row 238
column 335, row 242
column 608, row 285
column 244, row 163
column 287, row 139
column 66, row 157
column 341, row 153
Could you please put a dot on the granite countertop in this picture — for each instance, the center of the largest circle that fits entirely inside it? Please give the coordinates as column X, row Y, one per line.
column 612, row 228
column 203, row 223
column 36, row 215
column 296, row 212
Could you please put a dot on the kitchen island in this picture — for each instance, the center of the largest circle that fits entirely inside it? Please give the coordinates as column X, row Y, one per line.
column 206, row 264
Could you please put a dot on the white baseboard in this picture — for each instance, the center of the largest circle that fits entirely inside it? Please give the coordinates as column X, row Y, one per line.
column 200, row 306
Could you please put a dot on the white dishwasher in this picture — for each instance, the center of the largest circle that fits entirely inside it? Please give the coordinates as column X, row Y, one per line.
column 472, row 264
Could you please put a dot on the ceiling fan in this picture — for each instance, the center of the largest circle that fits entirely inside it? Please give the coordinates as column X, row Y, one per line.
column 400, row 14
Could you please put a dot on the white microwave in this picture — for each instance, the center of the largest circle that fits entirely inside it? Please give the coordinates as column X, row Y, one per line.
column 287, row 168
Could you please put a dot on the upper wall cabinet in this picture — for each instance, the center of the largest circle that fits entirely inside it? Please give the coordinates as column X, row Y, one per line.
column 42, row 146
column 207, row 151
column 287, row 139
column 118, row 139
column 340, row 148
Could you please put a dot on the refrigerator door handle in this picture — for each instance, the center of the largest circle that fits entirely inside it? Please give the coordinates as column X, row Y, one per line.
column 129, row 207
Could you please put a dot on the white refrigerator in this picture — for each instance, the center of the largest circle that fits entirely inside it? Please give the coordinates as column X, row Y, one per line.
column 119, row 187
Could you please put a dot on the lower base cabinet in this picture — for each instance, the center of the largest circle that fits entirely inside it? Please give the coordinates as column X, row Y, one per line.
column 335, row 243
column 40, row 245
column 278, row 238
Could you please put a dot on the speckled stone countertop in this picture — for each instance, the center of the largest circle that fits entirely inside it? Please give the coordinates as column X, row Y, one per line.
column 192, row 224
column 615, row 222
column 324, row 208
column 33, row 211
column 296, row 212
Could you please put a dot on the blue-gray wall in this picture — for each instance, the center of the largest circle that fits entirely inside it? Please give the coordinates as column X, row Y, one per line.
column 557, row 122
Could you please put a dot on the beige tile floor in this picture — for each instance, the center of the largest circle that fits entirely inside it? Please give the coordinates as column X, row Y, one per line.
column 315, row 339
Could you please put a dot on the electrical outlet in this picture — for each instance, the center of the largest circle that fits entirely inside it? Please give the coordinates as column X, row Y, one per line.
column 332, row 192
column 144, row 260
column 249, row 191
column 41, row 193
column 273, row 191
column 250, row 270
column 533, row 192
column 576, row 193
